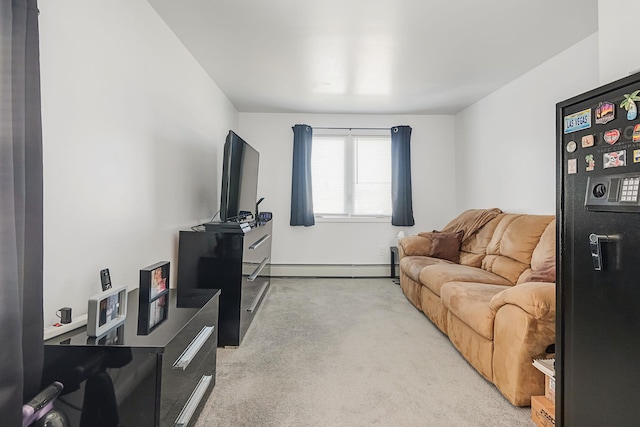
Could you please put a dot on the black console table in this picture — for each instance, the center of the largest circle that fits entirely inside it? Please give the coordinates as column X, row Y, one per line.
column 233, row 257
column 122, row 378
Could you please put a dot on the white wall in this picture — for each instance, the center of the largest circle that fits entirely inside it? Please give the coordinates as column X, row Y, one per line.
column 132, row 130
column 618, row 38
column 505, row 143
column 433, row 177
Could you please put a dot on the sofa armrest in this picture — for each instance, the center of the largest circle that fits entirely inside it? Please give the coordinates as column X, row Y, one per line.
column 536, row 298
column 414, row 246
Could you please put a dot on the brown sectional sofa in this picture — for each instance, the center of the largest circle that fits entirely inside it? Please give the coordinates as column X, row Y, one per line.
column 494, row 297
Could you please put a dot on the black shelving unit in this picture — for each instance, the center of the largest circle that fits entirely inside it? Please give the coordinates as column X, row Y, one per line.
column 235, row 258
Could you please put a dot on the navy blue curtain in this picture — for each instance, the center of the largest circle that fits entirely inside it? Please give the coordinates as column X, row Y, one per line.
column 301, row 191
column 21, row 208
column 401, row 199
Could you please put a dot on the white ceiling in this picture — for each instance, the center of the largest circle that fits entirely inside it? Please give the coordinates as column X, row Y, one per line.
column 372, row 56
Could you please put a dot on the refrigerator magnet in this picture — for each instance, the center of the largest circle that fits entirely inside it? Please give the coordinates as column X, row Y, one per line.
column 588, row 141
column 577, row 121
column 572, row 166
column 615, row 159
column 629, row 104
column 591, row 163
column 605, row 112
column 611, row 136
column 571, row 146
column 636, row 156
column 636, row 133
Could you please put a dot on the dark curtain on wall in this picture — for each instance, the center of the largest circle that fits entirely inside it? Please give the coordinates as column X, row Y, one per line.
column 301, row 192
column 20, row 209
column 401, row 199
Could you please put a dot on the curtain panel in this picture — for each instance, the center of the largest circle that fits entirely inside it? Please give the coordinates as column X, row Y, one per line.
column 21, row 229
column 301, row 189
column 401, row 193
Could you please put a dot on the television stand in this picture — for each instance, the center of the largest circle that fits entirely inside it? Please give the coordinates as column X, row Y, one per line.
column 235, row 258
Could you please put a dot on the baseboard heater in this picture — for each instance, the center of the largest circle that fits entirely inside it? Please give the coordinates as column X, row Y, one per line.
column 330, row 270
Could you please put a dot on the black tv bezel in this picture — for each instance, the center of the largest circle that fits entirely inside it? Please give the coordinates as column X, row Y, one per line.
column 231, row 164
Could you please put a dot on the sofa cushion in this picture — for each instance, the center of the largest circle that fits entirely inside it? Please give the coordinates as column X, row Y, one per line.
column 470, row 302
column 413, row 265
column 546, row 273
column 543, row 259
column 414, row 246
column 514, row 240
column 471, row 221
column 444, row 245
column 434, row 276
column 474, row 248
column 536, row 299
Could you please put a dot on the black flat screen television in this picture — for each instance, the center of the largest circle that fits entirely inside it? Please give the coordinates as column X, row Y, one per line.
column 239, row 179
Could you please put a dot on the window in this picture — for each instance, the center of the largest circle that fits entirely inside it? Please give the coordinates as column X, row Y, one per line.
column 351, row 175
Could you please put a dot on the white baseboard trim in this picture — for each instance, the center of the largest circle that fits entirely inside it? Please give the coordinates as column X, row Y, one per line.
column 329, row 270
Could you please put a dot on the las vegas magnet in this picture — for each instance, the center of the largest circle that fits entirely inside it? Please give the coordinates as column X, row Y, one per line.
column 611, row 136
column 588, row 141
column 571, row 146
column 615, row 159
column 591, row 163
column 636, row 133
column 572, row 166
column 605, row 112
column 577, row 121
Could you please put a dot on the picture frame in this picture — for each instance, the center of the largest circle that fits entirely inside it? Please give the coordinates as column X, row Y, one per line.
column 106, row 310
column 153, row 297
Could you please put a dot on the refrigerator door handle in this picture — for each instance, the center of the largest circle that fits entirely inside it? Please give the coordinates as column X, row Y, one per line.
column 595, row 245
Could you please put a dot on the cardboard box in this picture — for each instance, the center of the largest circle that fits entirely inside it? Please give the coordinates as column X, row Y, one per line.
column 547, row 367
column 543, row 412
column 550, row 388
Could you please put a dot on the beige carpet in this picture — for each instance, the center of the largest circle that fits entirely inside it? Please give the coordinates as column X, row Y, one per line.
column 349, row 352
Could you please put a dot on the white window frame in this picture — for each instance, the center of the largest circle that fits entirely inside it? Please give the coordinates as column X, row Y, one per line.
column 350, row 173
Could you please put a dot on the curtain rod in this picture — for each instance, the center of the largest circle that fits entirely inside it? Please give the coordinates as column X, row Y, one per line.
column 329, row 128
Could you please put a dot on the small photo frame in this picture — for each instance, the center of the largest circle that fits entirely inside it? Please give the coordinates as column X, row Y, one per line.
column 153, row 301
column 107, row 310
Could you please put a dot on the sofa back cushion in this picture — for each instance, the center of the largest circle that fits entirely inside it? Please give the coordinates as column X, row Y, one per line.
column 474, row 249
column 477, row 226
column 543, row 259
column 511, row 247
column 470, row 221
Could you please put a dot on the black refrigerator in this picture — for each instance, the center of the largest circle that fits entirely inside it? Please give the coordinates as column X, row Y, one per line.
column 598, row 257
